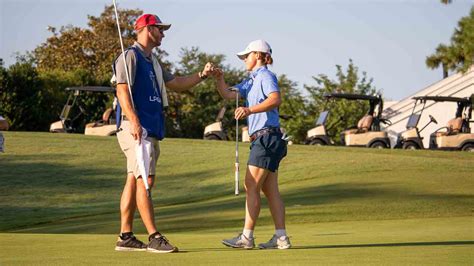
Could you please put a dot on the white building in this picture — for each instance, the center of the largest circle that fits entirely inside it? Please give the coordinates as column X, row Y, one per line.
column 457, row 85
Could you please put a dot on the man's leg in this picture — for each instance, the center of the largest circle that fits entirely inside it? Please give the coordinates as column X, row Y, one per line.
column 145, row 205
column 128, row 204
column 158, row 243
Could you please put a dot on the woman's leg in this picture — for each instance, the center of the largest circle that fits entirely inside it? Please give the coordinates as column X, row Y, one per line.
column 280, row 239
column 254, row 179
column 277, row 208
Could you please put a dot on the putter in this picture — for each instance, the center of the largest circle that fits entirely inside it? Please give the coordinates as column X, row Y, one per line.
column 145, row 179
column 236, row 142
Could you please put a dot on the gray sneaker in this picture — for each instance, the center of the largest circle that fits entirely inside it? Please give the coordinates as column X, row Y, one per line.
column 240, row 241
column 282, row 242
column 130, row 244
column 159, row 244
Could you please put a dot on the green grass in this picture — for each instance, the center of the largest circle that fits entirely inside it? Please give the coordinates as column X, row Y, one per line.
column 344, row 205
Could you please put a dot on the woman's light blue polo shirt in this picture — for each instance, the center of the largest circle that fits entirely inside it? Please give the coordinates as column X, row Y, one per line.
column 255, row 89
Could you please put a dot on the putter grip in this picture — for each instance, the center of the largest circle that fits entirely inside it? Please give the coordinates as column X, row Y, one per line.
column 236, row 179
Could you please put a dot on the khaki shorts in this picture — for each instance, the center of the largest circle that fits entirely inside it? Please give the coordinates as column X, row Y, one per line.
column 127, row 144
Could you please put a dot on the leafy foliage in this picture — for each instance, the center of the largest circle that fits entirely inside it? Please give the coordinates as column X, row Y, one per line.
column 192, row 111
column 23, row 102
column 31, row 100
column 342, row 113
column 294, row 106
column 92, row 49
column 33, row 90
column 459, row 55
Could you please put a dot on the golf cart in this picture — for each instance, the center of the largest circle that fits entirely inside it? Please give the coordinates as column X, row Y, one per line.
column 457, row 133
column 367, row 133
column 318, row 135
column 104, row 127
column 215, row 131
column 411, row 138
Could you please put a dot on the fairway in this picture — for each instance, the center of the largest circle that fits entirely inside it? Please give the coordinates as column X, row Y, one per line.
column 59, row 199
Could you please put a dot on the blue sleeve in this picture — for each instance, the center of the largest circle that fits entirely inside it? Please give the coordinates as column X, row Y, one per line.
column 269, row 84
column 242, row 88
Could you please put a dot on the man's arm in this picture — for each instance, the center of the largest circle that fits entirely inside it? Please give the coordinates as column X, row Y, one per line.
column 124, row 99
column 180, row 84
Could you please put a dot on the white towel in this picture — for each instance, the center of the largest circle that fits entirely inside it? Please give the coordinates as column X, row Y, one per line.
column 143, row 154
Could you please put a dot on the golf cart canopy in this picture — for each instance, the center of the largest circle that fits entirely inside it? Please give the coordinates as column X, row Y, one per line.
column 443, row 99
column 352, row 96
column 374, row 100
column 91, row 88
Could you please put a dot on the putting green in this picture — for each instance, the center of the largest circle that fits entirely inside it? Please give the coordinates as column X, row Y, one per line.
column 435, row 241
column 59, row 199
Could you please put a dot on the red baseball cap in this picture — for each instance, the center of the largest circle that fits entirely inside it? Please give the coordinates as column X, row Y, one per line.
column 149, row 19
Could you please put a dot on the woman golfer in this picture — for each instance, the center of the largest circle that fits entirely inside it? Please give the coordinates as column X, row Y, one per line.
column 267, row 149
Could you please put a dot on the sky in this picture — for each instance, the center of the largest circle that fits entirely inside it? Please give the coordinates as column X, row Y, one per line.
column 388, row 39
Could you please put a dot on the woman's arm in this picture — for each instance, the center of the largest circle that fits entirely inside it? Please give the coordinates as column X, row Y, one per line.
column 272, row 102
column 222, row 87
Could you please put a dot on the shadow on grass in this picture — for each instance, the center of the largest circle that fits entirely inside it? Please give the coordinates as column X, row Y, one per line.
column 406, row 244
column 221, row 212
column 82, row 199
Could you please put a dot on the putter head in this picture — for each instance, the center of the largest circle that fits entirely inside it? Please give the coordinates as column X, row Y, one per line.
column 233, row 89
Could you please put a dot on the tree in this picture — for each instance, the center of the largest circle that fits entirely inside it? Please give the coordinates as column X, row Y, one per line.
column 459, row 55
column 75, row 56
column 32, row 101
column 342, row 113
column 92, row 49
column 23, row 102
column 294, row 107
column 190, row 112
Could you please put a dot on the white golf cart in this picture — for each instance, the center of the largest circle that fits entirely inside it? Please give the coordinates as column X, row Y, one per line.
column 104, row 127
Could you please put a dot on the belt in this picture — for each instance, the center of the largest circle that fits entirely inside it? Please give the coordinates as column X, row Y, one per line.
column 264, row 131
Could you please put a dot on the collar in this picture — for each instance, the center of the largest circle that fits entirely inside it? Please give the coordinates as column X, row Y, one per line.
column 141, row 49
column 255, row 72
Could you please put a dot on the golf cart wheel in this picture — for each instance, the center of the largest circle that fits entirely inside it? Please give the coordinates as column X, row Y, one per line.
column 317, row 142
column 378, row 145
column 468, row 147
column 410, row 146
column 213, row 137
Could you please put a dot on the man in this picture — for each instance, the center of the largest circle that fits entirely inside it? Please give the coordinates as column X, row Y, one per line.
column 3, row 126
column 148, row 81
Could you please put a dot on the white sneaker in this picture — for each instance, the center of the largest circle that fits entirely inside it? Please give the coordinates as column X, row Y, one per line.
column 240, row 241
column 282, row 242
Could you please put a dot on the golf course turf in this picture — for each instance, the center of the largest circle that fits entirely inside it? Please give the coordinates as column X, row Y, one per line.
column 59, row 204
